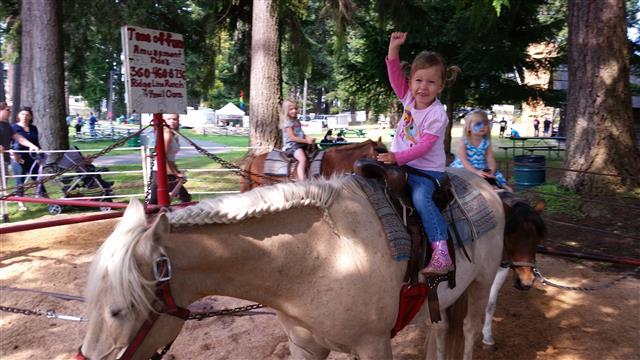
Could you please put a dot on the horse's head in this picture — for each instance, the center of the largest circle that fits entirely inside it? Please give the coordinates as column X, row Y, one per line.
column 121, row 291
column 524, row 230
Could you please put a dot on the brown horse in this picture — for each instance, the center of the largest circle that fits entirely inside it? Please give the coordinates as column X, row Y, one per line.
column 337, row 159
column 524, row 230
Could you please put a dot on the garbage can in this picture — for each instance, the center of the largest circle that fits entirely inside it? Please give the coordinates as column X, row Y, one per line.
column 529, row 171
column 134, row 141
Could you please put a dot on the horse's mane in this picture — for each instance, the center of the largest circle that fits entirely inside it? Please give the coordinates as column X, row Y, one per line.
column 260, row 201
column 349, row 147
column 523, row 216
column 115, row 262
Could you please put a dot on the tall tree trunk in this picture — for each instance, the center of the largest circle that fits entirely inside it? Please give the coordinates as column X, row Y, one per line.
column 16, row 76
column 600, row 135
column 265, row 83
column 27, row 22
column 3, row 95
column 48, row 73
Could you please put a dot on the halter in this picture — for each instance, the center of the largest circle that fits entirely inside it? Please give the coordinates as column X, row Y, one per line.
column 515, row 264
column 162, row 274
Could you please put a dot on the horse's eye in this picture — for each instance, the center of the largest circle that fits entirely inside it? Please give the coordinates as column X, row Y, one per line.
column 116, row 312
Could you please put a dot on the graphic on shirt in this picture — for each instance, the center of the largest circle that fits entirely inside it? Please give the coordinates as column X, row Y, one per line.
column 409, row 129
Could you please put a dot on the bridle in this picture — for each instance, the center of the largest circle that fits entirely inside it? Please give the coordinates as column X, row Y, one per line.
column 515, row 264
column 162, row 274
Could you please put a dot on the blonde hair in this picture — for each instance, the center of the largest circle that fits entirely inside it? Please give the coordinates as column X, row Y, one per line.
column 427, row 59
column 284, row 110
column 472, row 115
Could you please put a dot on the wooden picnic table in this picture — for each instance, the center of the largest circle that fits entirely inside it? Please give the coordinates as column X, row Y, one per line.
column 535, row 143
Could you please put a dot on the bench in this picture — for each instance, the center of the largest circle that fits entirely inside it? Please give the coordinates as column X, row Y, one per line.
column 532, row 149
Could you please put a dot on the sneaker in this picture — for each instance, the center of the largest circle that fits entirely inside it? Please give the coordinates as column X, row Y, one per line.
column 22, row 207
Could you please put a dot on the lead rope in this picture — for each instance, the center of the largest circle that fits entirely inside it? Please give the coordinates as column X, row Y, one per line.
column 544, row 281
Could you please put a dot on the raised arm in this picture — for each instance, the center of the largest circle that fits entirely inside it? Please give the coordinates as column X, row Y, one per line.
column 394, row 70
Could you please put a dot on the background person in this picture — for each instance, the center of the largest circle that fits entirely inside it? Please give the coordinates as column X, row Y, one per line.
column 474, row 152
column 547, row 127
column 7, row 135
column 24, row 163
column 295, row 142
column 536, row 127
column 503, row 127
column 92, row 125
column 172, row 146
column 79, row 124
column 419, row 140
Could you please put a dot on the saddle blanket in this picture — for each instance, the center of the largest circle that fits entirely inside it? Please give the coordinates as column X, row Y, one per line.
column 278, row 164
column 468, row 211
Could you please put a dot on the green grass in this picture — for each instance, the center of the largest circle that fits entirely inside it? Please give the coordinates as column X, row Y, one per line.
column 558, row 200
column 227, row 140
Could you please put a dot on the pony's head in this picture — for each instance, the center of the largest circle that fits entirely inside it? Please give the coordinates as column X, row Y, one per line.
column 340, row 159
column 524, row 231
column 121, row 289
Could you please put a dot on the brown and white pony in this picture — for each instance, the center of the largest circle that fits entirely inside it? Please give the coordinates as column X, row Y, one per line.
column 314, row 251
column 524, row 231
column 337, row 160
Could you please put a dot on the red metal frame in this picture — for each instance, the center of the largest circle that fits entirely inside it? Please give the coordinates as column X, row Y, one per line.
column 70, row 202
column 161, row 161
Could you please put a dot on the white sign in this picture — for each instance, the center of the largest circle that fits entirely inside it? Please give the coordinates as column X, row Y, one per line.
column 154, row 69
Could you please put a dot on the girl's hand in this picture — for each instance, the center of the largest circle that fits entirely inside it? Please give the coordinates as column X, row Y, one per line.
column 387, row 158
column 397, row 39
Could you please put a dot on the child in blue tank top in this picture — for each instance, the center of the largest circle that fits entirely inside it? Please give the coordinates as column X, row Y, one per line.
column 474, row 152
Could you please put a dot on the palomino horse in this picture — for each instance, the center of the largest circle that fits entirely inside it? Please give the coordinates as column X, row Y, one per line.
column 524, row 230
column 337, row 159
column 315, row 251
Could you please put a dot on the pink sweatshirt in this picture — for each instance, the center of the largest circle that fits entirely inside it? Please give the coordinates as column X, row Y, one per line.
column 419, row 137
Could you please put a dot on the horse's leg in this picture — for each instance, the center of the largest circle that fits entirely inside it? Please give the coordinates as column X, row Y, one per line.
column 487, row 333
column 478, row 296
column 436, row 338
column 373, row 347
column 301, row 342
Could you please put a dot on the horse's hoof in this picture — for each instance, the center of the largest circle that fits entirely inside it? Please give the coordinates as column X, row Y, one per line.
column 490, row 347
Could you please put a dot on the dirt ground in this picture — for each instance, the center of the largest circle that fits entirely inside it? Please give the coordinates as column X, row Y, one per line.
column 543, row 323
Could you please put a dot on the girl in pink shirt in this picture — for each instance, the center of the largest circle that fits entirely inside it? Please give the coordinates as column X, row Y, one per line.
column 419, row 140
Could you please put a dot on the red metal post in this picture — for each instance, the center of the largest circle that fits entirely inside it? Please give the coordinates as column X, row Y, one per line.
column 161, row 161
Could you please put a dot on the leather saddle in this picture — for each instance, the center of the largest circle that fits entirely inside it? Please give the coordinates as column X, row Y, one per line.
column 394, row 181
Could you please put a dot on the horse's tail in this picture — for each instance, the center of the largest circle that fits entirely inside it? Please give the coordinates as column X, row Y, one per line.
column 454, row 337
column 454, row 340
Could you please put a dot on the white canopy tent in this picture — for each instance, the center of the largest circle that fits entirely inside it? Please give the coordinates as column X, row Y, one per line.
column 229, row 115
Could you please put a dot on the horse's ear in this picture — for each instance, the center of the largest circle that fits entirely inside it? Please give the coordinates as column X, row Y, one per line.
column 507, row 210
column 133, row 216
column 539, row 207
column 160, row 228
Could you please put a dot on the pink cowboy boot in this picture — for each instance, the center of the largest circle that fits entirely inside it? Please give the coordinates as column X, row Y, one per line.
column 440, row 260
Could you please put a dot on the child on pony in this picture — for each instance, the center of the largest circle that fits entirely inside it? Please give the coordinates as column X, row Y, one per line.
column 295, row 142
column 474, row 152
column 419, row 140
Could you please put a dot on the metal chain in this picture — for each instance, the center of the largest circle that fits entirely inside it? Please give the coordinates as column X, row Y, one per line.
column 229, row 165
column 147, row 195
column 202, row 315
column 50, row 314
column 544, row 281
column 74, row 167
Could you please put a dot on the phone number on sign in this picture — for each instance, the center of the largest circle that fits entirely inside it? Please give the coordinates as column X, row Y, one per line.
column 159, row 73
